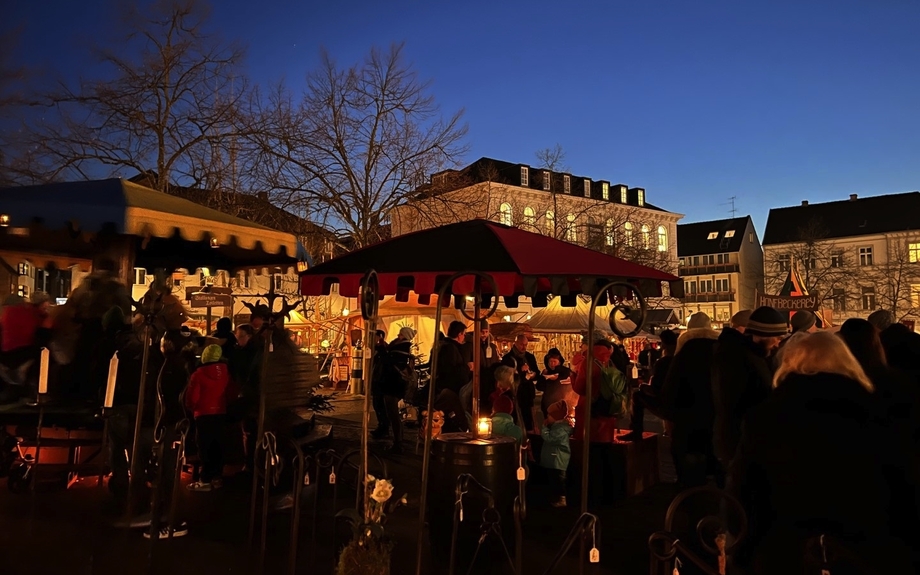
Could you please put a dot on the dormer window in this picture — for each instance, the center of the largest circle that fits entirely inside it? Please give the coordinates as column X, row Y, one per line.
column 623, row 195
column 605, row 191
column 546, row 180
column 525, row 176
column 712, row 235
column 587, row 188
column 730, row 234
column 641, row 194
column 567, row 184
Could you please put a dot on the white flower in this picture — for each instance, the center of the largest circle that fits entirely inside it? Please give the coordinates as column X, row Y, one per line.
column 370, row 479
column 404, row 500
column 383, row 490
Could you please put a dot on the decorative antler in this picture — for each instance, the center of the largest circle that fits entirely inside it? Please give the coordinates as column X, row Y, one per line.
column 287, row 308
column 251, row 306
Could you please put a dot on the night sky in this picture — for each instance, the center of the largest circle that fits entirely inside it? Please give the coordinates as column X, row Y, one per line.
column 771, row 101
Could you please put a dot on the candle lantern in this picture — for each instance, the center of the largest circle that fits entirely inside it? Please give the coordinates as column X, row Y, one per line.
column 484, row 428
column 44, row 365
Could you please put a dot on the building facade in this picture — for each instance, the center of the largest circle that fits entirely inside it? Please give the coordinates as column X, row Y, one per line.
column 857, row 255
column 611, row 218
column 721, row 263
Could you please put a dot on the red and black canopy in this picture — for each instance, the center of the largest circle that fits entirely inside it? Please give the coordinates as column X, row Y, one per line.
column 521, row 262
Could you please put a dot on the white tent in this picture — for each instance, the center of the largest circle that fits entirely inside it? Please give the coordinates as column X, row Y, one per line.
column 393, row 315
column 555, row 318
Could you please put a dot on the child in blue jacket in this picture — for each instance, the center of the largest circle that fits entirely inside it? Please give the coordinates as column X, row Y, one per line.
column 556, row 452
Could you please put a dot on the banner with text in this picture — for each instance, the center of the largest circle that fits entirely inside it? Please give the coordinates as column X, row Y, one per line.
column 787, row 303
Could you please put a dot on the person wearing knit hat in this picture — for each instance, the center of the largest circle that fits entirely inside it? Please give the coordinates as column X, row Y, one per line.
column 881, row 319
column 556, row 451
column 766, row 322
column 208, row 390
column 698, row 326
column 407, row 333
column 502, row 420
column 742, row 376
column 804, row 321
column 555, row 381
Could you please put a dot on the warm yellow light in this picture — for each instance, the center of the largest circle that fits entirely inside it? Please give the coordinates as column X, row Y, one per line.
column 325, row 343
column 205, row 272
column 507, row 318
column 345, row 312
column 484, row 428
column 215, row 243
column 4, row 220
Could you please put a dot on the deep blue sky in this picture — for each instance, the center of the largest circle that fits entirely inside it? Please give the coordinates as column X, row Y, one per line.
column 772, row 102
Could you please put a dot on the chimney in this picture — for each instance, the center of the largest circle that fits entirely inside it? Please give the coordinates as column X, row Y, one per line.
column 804, row 202
column 263, row 196
column 852, row 197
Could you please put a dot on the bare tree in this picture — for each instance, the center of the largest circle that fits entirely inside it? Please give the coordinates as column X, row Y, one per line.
column 174, row 94
column 896, row 278
column 826, row 269
column 360, row 142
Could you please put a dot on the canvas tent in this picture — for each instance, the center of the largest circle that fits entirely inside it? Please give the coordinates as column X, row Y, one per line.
column 555, row 318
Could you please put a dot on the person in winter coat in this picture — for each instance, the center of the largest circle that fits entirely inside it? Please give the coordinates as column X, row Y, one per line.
column 394, row 383
column 379, row 375
column 814, row 462
column 528, row 372
column 488, row 359
column 209, row 390
column 502, row 422
column 686, row 399
column 608, row 396
column 649, row 396
column 555, row 381
column 742, row 376
column 453, row 373
column 225, row 337
column 556, row 452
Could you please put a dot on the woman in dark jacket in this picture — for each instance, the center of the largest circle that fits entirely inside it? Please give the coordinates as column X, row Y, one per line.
column 814, row 461
column 555, row 381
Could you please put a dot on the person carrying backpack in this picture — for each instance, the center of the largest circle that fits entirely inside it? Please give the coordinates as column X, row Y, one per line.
column 608, row 396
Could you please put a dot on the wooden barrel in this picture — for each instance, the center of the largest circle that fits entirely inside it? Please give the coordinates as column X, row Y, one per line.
column 493, row 463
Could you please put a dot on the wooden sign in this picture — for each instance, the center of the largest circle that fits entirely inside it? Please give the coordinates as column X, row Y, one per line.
column 210, row 300
column 788, row 303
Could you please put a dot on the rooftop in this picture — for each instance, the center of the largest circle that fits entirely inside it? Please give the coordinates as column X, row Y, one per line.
column 844, row 218
column 713, row 237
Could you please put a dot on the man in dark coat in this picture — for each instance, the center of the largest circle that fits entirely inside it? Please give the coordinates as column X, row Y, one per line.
column 649, row 396
column 453, row 373
column 555, row 381
column 742, row 376
column 488, row 359
column 525, row 364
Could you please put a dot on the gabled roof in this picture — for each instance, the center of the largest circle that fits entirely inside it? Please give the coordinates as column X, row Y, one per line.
column 845, row 218
column 693, row 239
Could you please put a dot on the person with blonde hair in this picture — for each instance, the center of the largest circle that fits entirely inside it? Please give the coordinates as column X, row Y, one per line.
column 814, row 461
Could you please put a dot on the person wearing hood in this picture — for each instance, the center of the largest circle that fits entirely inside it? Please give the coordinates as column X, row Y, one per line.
column 686, row 399
column 742, row 376
column 555, row 381
column 225, row 337
column 209, row 391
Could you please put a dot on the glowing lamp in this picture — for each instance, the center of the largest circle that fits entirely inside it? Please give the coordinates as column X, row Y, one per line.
column 484, row 428
column 4, row 220
column 301, row 266
column 345, row 312
column 215, row 243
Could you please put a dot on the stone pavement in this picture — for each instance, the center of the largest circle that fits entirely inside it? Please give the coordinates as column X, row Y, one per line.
column 70, row 531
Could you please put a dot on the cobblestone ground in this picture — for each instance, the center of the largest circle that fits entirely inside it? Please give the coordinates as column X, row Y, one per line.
column 58, row 531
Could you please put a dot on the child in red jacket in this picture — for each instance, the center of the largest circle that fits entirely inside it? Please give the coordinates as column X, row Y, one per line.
column 208, row 392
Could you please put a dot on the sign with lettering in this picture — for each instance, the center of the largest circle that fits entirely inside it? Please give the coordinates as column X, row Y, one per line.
column 210, row 300
column 788, row 303
column 190, row 291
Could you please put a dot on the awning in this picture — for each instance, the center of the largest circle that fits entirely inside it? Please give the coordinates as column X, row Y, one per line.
column 661, row 317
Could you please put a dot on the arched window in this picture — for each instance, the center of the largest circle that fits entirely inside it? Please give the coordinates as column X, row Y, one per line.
column 628, row 233
column 571, row 234
column 646, row 239
column 662, row 239
column 506, row 217
column 530, row 218
column 608, row 232
column 551, row 223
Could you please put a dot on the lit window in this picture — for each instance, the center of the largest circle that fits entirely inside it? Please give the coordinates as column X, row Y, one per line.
column 865, row 256
column 276, row 282
column 628, row 233
column 567, row 184
column 529, row 217
column 662, row 239
column 570, row 232
column 712, row 235
column 623, row 195
column 506, row 214
column 641, row 197
column 608, row 232
column 546, row 180
column 587, row 188
column 730, row 234
column 913, row 252
column 605, row 191
column 646, row 237
column 551, row 223
column 525, row 176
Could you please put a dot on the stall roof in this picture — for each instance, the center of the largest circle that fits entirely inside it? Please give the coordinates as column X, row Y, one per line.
column 171, row 228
